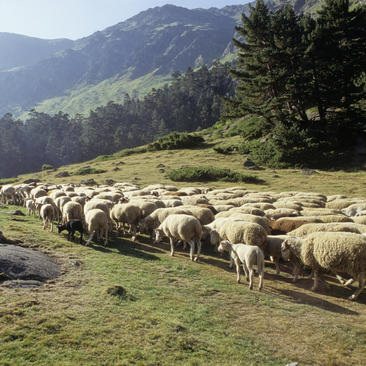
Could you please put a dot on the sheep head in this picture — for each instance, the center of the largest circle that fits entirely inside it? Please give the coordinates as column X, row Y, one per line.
column 158, row 235
column 224, row 245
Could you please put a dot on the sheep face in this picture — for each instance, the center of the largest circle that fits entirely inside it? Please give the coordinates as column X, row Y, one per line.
column 224, row 245
column 285, row 250
column 60, row 228
column 158, row 235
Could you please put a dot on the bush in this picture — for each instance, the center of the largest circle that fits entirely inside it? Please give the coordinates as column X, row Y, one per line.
column 130, row 151
column 176, row 140
column 225, row 150
column 88, row 170
column 47, row 167
column 202, row 174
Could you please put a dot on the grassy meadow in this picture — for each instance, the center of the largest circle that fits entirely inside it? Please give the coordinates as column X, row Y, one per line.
column 133, row 304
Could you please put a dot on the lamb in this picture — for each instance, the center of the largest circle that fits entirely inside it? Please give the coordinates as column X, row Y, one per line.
column 30, row 206
column 336, row 252
column 72, row 211
column 126, row 213
column 247, row 255
column 47, row 213
column 97, row 222
column 181, row 227
column 72, row 226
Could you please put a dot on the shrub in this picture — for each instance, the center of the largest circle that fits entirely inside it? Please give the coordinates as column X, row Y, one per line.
column 204, row 173
column 47, row 167
column 88, row 170
column 176, row 140
column 130, row 151
column 225, row 150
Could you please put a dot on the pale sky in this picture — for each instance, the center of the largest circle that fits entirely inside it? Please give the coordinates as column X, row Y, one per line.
column 75, row 19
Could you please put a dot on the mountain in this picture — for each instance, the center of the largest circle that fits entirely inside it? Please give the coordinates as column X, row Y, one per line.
column 20, row 51
column 132, row 56
column 151, row 45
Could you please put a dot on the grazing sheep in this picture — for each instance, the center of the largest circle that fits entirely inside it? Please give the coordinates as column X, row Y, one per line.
column 126, row 213
column 181, row 227
column 72, row 226
column 349, row 227
column 273, row 249
column 72, row 211
column 335, row 252
column 277, row 213
column 241, row 232
column 47, row 213
column 249, row 256
column 7, row 194
column 97, row 222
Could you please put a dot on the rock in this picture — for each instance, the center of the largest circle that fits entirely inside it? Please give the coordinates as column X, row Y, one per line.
column 62, row 174
column 89, row 182
column 18, row 263
column 162, row 170
column 306, row 171
column 249, row 164
column 16, row 212
column 116, row 169
column 160, row 166
column 109, row 182
column 32, row 180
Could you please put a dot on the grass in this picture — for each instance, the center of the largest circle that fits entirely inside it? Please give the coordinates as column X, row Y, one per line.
column 131, row 303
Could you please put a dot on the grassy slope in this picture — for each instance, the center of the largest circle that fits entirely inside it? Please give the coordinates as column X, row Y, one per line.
column 88, row 98
column 176, row 311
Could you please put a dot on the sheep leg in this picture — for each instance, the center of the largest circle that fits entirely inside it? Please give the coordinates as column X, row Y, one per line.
column 295, row 272
column 90, row 238
column 361, row 285
column 277, row 263
column 106, row 236
column 349, row 282
column 199, row 244
column 260, row 286
column 251, row 277
column 237, row 264
column 44, row 224
column 133, row 230
column 51, row 222
column 81, row 237
column 231, row 262
column 171, row 246
column 316, row 281
column 246, row 271
column 192, row 244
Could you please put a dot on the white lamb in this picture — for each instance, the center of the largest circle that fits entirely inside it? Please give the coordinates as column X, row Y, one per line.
column 47, row 213
column 181, row 227
column 249, row 256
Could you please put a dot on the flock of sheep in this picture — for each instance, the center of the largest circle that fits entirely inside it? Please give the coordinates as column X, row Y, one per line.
column 323, row 233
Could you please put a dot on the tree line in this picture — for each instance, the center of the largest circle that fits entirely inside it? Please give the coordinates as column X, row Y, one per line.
column 192, row 101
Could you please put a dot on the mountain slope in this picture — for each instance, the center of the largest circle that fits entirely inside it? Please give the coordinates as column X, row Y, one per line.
column 159, row 40
column 20, row 51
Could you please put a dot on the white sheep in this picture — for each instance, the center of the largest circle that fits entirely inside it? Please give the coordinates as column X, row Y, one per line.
column 72, row 211
column 30, row 206
column 47, row 213
column 7, row 194
column 97, row 223
column 181, row 227
column 249, row 256
column 335, row 252
column 273, row 249
column 126, row 213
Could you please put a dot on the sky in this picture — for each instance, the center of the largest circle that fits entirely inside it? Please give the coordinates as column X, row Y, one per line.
column 75, row 19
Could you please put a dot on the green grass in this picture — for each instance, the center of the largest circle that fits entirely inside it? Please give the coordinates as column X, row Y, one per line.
column 88, row 170
column 172, row 310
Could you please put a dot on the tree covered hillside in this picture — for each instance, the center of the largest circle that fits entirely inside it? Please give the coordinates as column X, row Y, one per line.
column 191, row 102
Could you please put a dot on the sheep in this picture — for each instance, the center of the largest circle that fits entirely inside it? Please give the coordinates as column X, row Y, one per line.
column 240, row 232
column 72, row 226
column 60, row 202
column 355, row 209
column 126, row 213
column 330, row 227
column 97, row 222
column 336, row 252
column 273, row 249
column 72, row 211
column 181, row 227
column 47, row 213
column 247, row 255
column 277, row 213
column 104, row 205
column 30, row 206
column 7, row 194
column 319, row 212
column 262, row 221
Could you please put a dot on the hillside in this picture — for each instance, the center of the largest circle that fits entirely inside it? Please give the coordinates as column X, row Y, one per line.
column 155, row 42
